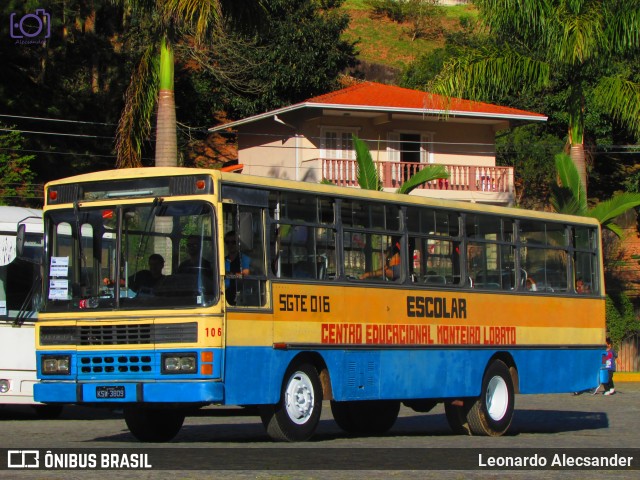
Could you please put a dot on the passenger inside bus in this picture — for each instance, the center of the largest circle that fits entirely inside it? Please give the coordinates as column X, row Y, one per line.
column 582, row 287
column 148, row 279
column 392, row 264
column 236, row 264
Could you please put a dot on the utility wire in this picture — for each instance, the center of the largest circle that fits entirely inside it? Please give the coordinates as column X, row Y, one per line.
column 57, row 134
column 55, row 120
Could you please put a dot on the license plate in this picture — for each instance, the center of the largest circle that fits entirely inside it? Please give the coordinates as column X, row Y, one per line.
column 110, row 392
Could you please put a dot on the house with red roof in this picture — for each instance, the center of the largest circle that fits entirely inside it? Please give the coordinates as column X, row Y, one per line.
column 405, row 130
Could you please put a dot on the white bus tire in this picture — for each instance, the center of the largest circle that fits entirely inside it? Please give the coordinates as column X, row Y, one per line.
column 492, row 412
column 295, row 417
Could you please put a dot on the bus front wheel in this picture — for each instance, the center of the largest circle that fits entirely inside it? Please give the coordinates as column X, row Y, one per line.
column 153, row 425
column 366, row 416
column 492, row 412
column 295, row 417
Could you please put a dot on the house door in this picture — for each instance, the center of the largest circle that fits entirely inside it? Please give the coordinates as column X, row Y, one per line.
column 410, row 147
column 409, row 153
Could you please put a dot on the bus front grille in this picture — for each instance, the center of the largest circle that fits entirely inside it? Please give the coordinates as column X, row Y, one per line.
column 133, row 334
column 114, row 364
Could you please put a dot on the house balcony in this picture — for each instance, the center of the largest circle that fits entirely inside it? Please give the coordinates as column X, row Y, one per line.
column 487, row 184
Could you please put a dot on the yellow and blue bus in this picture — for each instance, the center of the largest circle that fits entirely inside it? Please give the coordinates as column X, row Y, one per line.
column 279, row 295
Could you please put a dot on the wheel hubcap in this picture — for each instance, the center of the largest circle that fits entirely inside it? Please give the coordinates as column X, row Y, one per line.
column 497, row 399
column 299, row 398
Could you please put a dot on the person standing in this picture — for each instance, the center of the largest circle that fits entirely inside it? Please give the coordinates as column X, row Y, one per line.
column 610, row 365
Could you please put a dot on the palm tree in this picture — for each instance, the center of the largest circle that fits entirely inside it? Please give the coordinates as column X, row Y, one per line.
column 538, row 41
column 165, row 22
column 368, row 177
column 569, row 197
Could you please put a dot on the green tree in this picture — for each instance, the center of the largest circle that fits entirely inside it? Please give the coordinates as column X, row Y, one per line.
column 534, row 45
column 16, row 176
column 369, row 179
column 621, row 318
column 299, row 53
column 163, row 24
column 527, row 149
column 569, row 196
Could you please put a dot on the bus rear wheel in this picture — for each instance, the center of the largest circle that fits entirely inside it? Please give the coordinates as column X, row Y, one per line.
column 492, row 412
column 295, row 417
column 153, row 425
column 366, row 417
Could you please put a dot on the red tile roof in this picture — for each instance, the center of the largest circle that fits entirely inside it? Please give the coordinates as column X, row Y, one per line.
column 372, row 94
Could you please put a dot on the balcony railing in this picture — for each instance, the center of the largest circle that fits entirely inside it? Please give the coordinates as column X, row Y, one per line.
column 393, row 174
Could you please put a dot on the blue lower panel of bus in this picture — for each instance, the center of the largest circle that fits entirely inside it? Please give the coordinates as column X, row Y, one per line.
column 164, row 392
column 254, row 375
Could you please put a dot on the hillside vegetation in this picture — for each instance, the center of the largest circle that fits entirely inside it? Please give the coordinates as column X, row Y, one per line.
column 385, row 43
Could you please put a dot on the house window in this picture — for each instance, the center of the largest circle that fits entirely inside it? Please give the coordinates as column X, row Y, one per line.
column 410, row 147
column 337, row 143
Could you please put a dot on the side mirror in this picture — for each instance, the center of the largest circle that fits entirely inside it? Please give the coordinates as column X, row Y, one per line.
column 20, row 238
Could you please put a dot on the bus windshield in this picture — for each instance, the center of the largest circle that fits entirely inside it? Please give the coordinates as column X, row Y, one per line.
column 132, row 256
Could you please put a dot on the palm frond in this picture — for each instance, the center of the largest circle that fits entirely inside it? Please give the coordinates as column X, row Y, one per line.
column 623, row 18
column 204, row 17
column 580, row 35
column 621, row 99
column 487, row 72
column 367, row 174
column 427, row 174
column 141, row 97
column 607, row 211
column 570, row 179
column 563, row 200
column 614, row 228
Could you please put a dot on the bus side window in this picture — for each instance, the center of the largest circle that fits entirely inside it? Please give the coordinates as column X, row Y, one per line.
column 245, row 279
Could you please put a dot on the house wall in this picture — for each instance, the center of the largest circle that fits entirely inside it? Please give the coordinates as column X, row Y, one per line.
column 268, row 148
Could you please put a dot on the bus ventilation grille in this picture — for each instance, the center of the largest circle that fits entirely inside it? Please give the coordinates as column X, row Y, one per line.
column 136, row 334
column 117, row 364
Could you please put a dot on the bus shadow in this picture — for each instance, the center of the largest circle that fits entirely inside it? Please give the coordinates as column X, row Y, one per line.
column 434, row 425
column 557, row 421
column 67, row 412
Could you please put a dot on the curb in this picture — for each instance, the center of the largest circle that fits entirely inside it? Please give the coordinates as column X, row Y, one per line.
column 627, row 377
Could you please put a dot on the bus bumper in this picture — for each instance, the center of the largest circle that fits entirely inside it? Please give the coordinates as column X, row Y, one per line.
column 130, row 392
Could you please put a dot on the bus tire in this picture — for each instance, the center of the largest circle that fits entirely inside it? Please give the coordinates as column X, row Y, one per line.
column 457, row 418
column 367, row 416
column 295, row 417
column 492, row 412
column 153, row 425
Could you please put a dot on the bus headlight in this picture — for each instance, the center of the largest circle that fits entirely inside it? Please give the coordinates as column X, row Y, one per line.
column 179, row 363
column 56, row 364
column 4, row 386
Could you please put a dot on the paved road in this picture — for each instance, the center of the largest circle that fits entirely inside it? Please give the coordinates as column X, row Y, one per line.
column 540, row 422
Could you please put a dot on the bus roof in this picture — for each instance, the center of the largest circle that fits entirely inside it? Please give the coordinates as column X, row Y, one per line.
column 309, row 187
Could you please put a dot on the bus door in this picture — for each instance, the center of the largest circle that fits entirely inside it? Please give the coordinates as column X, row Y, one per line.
column 243, row 216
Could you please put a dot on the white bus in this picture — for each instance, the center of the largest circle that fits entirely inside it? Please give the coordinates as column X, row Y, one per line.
column 20, row 286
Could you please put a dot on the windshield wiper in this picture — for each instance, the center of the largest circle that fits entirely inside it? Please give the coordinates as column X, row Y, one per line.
column 144, row 239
